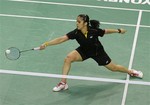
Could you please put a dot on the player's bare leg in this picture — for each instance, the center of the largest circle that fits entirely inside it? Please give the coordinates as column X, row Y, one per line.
column 118, row 68
column 71, row 57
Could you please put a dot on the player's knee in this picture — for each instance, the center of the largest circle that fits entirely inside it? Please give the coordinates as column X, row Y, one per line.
column 69, row 59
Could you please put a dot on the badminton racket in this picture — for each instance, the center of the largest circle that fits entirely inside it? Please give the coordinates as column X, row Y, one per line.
column 14, row 53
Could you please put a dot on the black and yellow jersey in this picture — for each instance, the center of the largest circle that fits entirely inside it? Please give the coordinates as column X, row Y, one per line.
column 89, row 41
column 90, row 46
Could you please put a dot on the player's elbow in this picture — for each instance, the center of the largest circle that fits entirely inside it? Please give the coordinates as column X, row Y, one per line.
column 62, row 39
column 106, row 31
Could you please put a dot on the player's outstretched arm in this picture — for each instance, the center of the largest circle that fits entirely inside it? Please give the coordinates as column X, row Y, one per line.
column 110, row 31
column 54, row 42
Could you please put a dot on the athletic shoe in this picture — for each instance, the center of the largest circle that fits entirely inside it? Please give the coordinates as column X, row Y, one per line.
column 137, row 74
column 60, row 86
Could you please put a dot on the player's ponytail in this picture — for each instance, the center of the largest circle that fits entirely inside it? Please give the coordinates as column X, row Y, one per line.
column 94, row 24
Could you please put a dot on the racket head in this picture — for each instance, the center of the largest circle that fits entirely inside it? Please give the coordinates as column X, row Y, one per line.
column 12, row 53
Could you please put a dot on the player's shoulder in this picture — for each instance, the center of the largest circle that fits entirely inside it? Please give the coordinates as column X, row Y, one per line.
column 96, row 29
column 75, row 30
column 72, row 31
column 93, row 30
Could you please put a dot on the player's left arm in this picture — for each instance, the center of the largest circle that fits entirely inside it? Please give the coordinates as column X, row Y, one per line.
column 110, row 31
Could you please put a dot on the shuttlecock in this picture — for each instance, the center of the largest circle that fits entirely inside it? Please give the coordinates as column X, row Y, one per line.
column 7, row 51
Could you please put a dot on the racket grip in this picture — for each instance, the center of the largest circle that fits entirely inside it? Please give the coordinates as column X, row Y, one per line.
column 36, row 48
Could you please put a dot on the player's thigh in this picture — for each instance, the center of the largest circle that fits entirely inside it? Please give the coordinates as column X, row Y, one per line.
column 74, row 56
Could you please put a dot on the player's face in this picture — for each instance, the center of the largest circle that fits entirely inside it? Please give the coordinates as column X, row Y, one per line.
column 80, row 23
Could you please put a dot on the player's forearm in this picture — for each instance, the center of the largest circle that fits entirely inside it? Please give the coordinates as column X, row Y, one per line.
column 110, row 31
column 56, row 41
column 53, row 42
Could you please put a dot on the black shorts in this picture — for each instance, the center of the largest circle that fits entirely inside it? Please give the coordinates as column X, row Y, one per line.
column 100, row 56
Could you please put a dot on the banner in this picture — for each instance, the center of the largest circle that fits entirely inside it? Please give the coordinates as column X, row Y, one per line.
column 143, row 2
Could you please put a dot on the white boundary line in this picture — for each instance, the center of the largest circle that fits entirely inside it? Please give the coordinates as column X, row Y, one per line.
column 69, row 20
column 132, row 57
column 56, row 19
column 78, row 5
column 34, row 17
column 36, row 74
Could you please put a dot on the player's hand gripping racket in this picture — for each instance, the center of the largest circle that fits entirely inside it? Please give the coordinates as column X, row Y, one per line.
column 14, row 53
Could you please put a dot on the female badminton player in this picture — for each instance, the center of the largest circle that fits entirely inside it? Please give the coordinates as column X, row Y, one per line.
column 86, row 34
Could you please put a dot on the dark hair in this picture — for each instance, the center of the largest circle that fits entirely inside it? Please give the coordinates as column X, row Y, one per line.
column 93, row 23
column 84, row 17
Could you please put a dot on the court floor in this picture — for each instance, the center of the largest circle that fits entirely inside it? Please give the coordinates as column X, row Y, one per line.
column 29, row 80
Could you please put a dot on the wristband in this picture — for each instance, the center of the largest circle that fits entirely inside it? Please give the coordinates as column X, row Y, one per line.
column 46, row 44
column 119, row 30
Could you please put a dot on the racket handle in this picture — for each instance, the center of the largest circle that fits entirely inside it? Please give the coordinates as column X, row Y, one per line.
column 36, row 48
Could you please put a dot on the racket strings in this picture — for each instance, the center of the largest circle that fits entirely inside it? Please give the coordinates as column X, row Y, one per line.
column 13, row 54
